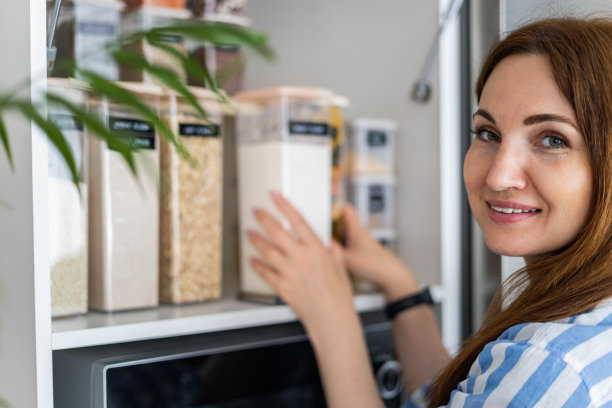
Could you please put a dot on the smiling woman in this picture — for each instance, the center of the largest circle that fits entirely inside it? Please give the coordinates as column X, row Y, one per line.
column 539, row 182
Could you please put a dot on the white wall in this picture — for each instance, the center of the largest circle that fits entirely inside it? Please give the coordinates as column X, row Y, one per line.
column 370, row 52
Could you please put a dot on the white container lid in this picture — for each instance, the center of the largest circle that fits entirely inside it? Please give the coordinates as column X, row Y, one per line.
column 68, row 83
column 141, row 87
column 385, row 179
column 340, row 101
column 114, row 4
column 285, row 91
column 165, row 13
column 375, row 123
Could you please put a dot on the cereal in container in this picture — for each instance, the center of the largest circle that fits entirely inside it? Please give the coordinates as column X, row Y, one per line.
column 191, row 206
column 68, row 208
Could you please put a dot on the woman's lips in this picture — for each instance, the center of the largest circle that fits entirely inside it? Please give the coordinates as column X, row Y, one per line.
column 505, row 212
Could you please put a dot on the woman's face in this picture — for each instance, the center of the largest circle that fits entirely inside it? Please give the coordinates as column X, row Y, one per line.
column 527, row 172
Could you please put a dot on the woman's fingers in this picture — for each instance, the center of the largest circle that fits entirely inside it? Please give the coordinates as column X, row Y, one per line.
column 298, row 223
column 271, row 253
column 352, row 222
column 275, row 231
column 267, row 273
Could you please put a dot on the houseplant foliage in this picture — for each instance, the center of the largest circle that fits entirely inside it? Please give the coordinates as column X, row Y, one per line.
column 197, row 31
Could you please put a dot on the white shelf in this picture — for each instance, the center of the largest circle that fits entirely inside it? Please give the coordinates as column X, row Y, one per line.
column 96, row 329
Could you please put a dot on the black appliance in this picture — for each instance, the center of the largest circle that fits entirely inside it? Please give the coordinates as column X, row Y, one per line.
column 263, row 367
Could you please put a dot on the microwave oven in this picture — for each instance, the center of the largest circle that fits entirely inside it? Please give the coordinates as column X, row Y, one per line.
column 271, row 367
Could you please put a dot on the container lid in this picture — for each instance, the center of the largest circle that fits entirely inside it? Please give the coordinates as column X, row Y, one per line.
column 386, row 179
column 114, row 4
column 289, row 91
column 388, row 234
column 227, row 18
column 162, row 12
column 141, row 87
column 340, row 101
column 68, row 83
column 379, row 123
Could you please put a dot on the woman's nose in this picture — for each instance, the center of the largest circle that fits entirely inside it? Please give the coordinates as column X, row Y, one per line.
column 507, row 170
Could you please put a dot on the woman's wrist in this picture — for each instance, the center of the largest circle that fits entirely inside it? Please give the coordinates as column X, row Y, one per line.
column 399, row 282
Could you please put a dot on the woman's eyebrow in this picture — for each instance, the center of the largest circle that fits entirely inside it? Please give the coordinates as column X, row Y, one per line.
column 485, row 115
column 548, row 117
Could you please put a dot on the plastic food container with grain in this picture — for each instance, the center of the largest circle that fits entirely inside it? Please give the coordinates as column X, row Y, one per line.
column 124, row 210
column 372, row 146
column 192, row 202
column 284, row 145
column 338, row 195
column 374, row 200
column 84, row 27
column 229, row 11
column 68, row 209
column 145, row 18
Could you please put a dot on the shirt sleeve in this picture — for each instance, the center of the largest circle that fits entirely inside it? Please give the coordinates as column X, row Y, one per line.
column 511, row 374
column 516, row 374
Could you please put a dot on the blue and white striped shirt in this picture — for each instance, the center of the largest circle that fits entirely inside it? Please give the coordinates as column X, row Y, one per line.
column 565, row 363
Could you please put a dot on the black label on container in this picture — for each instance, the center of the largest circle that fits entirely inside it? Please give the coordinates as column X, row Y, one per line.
column 96, row 28
column 66, row 122
column 137, row 133
column 308, row 128
column 376, row 199
column 188, row 129
column 376, row 138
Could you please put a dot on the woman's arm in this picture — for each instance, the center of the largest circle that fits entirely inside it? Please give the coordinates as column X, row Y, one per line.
column 417, row 339
column 312, row 279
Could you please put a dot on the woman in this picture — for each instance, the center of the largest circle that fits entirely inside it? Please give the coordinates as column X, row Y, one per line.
column 539, row 181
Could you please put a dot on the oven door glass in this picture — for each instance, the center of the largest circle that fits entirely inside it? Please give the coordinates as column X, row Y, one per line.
column 274, row 376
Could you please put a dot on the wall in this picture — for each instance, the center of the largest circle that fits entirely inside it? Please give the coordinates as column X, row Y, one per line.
column 370, row 52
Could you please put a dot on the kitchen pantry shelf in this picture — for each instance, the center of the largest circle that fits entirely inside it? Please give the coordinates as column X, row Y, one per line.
column 98, row 328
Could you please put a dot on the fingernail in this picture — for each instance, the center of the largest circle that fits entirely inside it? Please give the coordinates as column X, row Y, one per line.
column 258, row 212
column 275, row 194
column 251, row 234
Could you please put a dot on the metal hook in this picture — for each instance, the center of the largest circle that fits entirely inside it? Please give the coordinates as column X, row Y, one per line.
column 421, row 90
column 51, row 50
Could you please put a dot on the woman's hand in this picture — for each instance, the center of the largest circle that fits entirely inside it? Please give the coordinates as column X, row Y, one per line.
column 367, row 259
column 308, row 276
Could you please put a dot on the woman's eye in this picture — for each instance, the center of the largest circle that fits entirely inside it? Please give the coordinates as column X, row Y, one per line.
column 553, row 141
column 487, row 135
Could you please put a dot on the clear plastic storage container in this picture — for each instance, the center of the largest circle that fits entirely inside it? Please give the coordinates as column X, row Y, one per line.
column 83, row 29
column 226, row 63
column 230, row 11
column 192, row 202
column 124, row 210
column 284, row 145
column 372, row 145
column 68, row 209
column 374, row 200
column 146, row 18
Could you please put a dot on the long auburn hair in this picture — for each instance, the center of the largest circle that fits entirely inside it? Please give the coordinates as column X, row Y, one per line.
column 576, row 278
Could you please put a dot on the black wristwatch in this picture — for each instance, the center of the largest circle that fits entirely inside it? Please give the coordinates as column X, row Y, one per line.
column 392, row 309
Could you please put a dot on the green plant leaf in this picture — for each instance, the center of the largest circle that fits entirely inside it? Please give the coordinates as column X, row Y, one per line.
column 54, row 134
column 98, row 128
column 162, row 74
column 210, row 32
column 4, row 403
column 6, row 144
column 193, row 68
column 105, row 87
